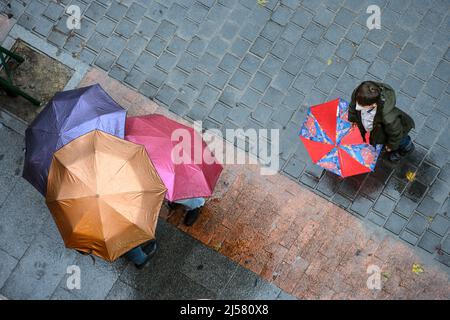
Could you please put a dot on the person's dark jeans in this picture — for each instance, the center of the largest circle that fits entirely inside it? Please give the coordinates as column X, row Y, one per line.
column 405, row 144
column 136, row 255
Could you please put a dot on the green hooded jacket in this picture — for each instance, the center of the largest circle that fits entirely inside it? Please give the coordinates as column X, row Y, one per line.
column 390, row 124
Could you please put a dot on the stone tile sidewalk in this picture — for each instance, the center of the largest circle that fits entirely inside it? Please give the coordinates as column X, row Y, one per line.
column 239, row 64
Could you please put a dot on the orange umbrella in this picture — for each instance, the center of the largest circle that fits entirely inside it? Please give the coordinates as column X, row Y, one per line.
column 104, row 194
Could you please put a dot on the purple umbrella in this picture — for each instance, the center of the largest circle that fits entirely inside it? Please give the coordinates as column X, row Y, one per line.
column 67, row 116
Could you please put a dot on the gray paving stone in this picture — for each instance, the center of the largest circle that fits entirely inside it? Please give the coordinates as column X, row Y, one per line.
column 378, row 36
column 208, row 63
column 334, row 33
column 389, row 52
column 125, row 28
column 179, row 107
column 283, row 80
column 197, row 46
column 148, row 90
column 135, row 78
column 430, row 242
column 54, row 11
column 43, row 26
column 260, row 47
column 95, row 11
column 197, row 12
column 438, row 156
column 127, row 59
column 239, row 79
column 313, row 32
column 229, row 63
column 344, row 17
column 412, row 86
column 250, row 63
column 218, row 46
column 395, row 223
column 423, row 69
column 411, row 53
column 105, row 60
column 246, row 285
column 409, row 237
column 116, row 44
column 357, row 67
column 135, row 12
column 40, row 270
column 367, row 51
column 273, row 97
column 97, row 41
column 209, row 269
column 434, row 87
column 249, row 31
column 440, row 225
column 177, row 78
column 166, row 61
column 156, row 77
column 443, row 71
column 417, row 224
column 105, row 26
column 116, row 10
column 7, row 265
column 345, row 50
column 239, row 47
column 356, row 33
column 156, row 45
column 239, row 115
column 147, row 27
column 57, row 38
column 262, row 113
column 219, row 112
column 379, row 69
column 166, row 95
column 260, row 82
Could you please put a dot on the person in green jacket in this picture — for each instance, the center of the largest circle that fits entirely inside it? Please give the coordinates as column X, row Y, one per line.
column 372, row 109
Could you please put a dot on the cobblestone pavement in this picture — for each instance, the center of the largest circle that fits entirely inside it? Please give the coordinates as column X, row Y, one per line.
column 240, row 64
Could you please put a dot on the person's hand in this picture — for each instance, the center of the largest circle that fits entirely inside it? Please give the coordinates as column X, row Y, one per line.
column 388, row 149
column 354, row 124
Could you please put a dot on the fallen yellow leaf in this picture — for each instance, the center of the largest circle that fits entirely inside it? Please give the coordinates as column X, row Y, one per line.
column 417, row 268
column 410, row 176
column 329, row 61
column 261, row 2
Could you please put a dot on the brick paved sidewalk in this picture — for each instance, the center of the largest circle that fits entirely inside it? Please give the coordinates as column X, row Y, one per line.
column 293, row 238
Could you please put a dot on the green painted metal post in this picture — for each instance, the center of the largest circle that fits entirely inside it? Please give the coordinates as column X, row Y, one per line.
column 7, row 84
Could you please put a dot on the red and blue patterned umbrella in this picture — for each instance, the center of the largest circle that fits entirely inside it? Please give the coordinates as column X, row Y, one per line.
column 334, row 144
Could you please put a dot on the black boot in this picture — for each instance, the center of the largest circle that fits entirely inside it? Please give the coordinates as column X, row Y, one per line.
column 150, row 248
column 394, row 156
column 143, row 264
column 171, row 205
column 407, row 150
column 191, row 216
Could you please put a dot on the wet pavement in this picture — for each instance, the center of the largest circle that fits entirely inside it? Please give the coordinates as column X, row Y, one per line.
column 399, row 214
column 200, row 61
column 34, row 261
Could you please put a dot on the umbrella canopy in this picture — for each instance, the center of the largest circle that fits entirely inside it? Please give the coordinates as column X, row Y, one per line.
column 67, row 116
column 104, row 195
column 189, row 179
column 333, row 143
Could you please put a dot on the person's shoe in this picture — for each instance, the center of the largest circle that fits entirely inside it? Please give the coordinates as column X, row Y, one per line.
column 150, row 248
column 143, row 264
column 405, row 151
column 171, row 205
column 191, row 217
column 395, row 156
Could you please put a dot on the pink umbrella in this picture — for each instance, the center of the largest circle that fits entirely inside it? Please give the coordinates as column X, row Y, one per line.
column 189, row 179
